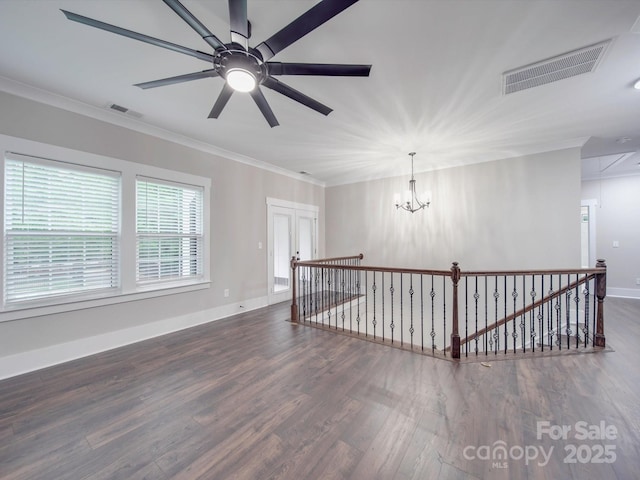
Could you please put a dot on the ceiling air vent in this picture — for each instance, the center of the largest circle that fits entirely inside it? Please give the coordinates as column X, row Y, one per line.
column 125, row 110
column 570, row 64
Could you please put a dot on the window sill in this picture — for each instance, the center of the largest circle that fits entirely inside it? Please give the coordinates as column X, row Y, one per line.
column 28, row 311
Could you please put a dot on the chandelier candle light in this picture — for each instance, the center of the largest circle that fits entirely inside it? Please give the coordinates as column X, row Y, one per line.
column 411, row 201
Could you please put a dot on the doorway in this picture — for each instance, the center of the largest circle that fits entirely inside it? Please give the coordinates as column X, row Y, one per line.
column 292, row 230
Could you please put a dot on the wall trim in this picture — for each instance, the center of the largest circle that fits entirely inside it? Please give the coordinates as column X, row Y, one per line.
column 623, row 292
column 24, row 362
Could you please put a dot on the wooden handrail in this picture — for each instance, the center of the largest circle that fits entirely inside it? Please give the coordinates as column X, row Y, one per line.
column 446, row 273
column 557, row 271
column 525, row 310
column 333, row 259
column 417, row 271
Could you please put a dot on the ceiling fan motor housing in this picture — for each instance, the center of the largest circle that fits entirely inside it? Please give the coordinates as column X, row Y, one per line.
column 231, row 59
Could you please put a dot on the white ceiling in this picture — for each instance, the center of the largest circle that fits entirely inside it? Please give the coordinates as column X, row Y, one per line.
column 434, row 88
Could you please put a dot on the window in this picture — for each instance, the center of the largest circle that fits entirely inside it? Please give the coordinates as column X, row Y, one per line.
column 83, row 230
column 169, row 231
column 61, row 229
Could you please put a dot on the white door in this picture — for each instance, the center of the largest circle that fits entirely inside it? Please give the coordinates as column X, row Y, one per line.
column 291, row 232
column 588, row 233
column 305, row 235
column 280, row 252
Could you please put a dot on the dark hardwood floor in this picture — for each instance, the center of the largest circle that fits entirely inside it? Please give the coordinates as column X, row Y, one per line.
column 255, row 397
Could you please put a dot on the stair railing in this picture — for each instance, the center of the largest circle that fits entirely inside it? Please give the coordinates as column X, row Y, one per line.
column 516, row 311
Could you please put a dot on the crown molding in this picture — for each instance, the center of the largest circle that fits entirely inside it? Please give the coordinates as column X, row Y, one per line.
column 46, row 97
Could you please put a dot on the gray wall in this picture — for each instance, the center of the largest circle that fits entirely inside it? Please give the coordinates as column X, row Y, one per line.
column 515, row 213
column 238, row 222
column 509, row 214
column 617, row 218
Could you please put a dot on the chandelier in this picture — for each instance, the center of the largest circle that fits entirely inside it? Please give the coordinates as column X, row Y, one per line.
column 411, row 202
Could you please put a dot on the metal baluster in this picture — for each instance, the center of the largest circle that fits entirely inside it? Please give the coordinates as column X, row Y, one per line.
column 586, row 311
column 532, row 322
column 336, row 292
column 366, row 299
column 353, row 279
column 358, row 278
column 342, row 272
column 595, row 309
column 305, row 292
column 383, row 290
column 422, row 311
column 314, row 292
column 550, row 332
column 432, row 294
column 577, row 302
column 506, row 324
column 568, row 313
column 523, row 328
column 466, row 316
column 476, row 296
column 558, row 308
column 411, row 329
column 496, row 298
column 401, row 309
column 514, row 294
column 329, row 294
column 444, row 310
column 321, row 293
column 541, row 316
column 486, row 311
column 374, row 288
column 392, row 325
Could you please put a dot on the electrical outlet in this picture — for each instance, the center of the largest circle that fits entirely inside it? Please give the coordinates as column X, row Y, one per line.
column 226, row 292
column 637, row 281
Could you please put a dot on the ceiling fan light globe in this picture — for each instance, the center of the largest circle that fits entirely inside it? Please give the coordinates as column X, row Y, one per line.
column 241, row 80
column 637, row 85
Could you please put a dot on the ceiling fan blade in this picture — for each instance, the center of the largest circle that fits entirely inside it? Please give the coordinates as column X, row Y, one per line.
column 324, row 69
column 239, row 24
column 222, row 100
column 194, row 23
column 264, row 107
column 137, row 36
column 293, row 94
column 179, row 79
column 305, row 23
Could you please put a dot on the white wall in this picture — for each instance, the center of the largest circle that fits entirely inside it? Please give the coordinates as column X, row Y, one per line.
column 509, row 214
column 618, row 219
column 238, row 221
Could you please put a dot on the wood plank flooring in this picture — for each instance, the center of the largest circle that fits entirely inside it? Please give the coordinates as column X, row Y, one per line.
column 256, row 397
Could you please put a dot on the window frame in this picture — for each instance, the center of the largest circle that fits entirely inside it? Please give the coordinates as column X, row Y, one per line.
column 129, row 171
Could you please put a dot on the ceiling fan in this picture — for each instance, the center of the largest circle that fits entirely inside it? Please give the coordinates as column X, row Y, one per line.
column 245, row 68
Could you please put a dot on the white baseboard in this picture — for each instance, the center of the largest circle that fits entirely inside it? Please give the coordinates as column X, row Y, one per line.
column 25, row 362
column 623, row 292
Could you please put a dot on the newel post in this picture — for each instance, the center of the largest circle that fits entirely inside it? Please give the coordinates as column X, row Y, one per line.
column 294, row 300
column 601, row 293
column 455, row 335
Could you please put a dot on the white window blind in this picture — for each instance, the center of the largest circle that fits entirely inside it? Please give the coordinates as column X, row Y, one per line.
column 61, row 229
column 169, row 229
